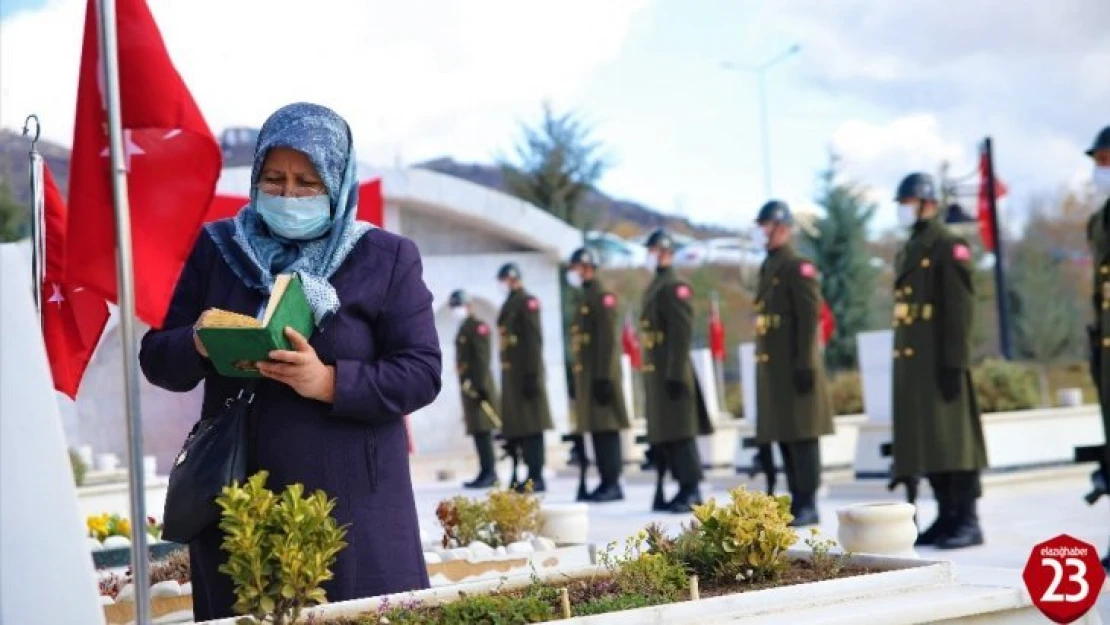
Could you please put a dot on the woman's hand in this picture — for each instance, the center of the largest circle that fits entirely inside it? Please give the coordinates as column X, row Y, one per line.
column 301, row 369
column 196, row 338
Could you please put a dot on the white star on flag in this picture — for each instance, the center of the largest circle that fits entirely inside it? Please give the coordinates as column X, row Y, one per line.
column 130, row 148
column 56, row 297
column 171, row 134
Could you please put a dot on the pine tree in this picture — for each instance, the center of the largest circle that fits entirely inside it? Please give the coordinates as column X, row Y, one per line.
column 841, row 253
column 14, row 217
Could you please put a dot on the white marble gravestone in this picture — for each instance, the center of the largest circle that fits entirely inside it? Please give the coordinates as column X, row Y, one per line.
column 876, row 370
column 46, row 574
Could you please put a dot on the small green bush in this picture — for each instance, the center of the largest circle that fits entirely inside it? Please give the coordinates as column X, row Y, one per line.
column 80, row 469
column 1002, row 386
column 846, row 393
column 744, row 540
column 505, row 517
column 644, row 571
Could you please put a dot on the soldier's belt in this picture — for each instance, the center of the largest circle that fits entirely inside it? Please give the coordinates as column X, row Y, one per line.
column 766, row 322
column 908, row 313
column 651, row 339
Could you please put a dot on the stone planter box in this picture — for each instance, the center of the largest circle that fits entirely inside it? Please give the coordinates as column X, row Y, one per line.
column 121, row 556
column 508, row 566
column 900, row 592
column 163, row 610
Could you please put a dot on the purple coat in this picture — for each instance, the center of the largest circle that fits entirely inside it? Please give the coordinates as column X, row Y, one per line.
column 385, row 349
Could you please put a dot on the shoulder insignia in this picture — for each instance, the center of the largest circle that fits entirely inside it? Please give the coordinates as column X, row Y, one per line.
column 807, row 270
column 961, row 252
column 533, row 304
column 483, row 329
column 609, row 300
column 683, row 291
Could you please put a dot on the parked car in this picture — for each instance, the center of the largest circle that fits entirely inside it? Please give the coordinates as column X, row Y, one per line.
column 614, row 252
column 733, row 251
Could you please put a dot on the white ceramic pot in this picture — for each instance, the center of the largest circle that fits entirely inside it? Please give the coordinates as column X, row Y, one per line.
column 886, row 528
column 566, row 524
column 107, row 462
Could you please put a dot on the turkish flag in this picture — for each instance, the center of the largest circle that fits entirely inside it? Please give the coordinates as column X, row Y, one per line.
column 827, row 322
column 986, row 222
column 73, row 318
column 716, row 333
column 631, row 344
column 172, row 159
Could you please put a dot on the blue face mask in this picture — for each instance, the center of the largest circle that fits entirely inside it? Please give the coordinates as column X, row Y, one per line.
column 295, row 218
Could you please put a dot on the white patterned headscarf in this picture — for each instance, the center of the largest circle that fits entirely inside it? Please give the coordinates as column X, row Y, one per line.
column 255, row 254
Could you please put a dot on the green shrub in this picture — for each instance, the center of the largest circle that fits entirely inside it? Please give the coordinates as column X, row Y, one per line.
column 1002, row 386
column 280, row 549
column 616, row 603
column 746, row 539
column 505, row 517
column 484, row 609
column 846, row 393
column 645, row 571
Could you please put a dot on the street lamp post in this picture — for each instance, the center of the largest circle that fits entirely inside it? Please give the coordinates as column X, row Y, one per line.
column 761, row 74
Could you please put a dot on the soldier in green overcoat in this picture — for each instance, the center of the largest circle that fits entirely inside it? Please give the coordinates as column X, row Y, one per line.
column 936, row 422
column 674, row 406
column 791, row 388
column 479, row 395
column 1098, row 238
column 525, row 411
column 599, row 405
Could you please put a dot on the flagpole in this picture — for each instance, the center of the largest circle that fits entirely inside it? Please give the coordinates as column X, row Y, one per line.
column 718, row 367
column 109, row 59
column 999, row 268
column 38, row 219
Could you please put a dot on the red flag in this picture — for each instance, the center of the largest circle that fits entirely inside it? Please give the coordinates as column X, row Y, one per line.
column 986, row 225
column 73, row 318
column 828, row 323
column 716, row 332
column 173, row 163
column 371, row 205
column 631, row 344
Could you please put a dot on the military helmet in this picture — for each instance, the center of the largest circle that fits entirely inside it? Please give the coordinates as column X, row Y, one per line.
column 775, row 211
column 508, row 271
column 583, row 256
column 458, row 298
column 1102, row 142
column 917, row 186
column 659, row 239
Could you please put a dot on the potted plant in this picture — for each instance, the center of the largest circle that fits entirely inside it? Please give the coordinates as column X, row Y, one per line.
column 110, row 540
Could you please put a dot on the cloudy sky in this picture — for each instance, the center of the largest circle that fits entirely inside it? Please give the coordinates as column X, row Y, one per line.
column 892, row 86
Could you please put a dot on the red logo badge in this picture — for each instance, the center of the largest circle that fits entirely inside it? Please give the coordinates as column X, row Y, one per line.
column 683, row 291
column 533, row 303
column 961, row 252
column 1063, row 577
column 808, row 270
column 483, row 329
column 609, row 300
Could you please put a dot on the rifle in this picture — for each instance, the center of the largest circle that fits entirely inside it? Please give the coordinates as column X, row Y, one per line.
column 1096, row 454
column 763, row 462
column 468, row 388
column 886, row 450
column 578, row 456
column 511, row 450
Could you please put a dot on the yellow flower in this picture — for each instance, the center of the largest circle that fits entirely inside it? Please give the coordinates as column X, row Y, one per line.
column 123, row 528
column 98, row 526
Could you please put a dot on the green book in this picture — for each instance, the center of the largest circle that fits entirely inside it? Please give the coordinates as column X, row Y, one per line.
column 236, row 342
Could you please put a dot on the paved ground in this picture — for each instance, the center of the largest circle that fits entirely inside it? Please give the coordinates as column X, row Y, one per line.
column 1015, row 516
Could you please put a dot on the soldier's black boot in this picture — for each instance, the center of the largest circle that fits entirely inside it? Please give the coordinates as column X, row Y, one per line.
column 487, row 475
column 484, row 480
column 607, row 492
column 804, row 509
column 684, row 502
column 940, row 527
column 966, row 531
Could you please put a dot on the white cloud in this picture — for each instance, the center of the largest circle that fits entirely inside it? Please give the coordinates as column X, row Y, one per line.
column 414, row 74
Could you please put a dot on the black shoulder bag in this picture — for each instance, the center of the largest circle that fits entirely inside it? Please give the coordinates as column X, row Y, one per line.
column 214, row 455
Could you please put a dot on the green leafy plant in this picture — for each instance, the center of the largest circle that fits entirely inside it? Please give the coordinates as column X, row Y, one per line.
column 280, row 548
column 846, row 393
column 644, row 572
column 505, row 517
column 1002, row 386
column 745, row 540
column 80, row 469
column 827, row 563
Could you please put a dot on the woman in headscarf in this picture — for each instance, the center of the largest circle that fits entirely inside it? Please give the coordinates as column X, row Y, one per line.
column 330, row 413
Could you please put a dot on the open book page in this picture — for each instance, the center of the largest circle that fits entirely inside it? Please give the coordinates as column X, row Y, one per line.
column 280, row 284
column 217, row 318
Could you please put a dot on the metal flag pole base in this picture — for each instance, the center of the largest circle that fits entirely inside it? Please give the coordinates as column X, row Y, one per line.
column 140, row 565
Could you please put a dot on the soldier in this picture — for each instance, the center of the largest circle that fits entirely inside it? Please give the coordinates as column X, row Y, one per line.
column 479, row 396
column 525, row 410
column 1098, row 238
column 791, row 389
column 937, row 429
column 676, row 411
column 599, row 403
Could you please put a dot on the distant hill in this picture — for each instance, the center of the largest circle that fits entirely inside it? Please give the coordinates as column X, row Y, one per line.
column 615, row 215
column 623, row 217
